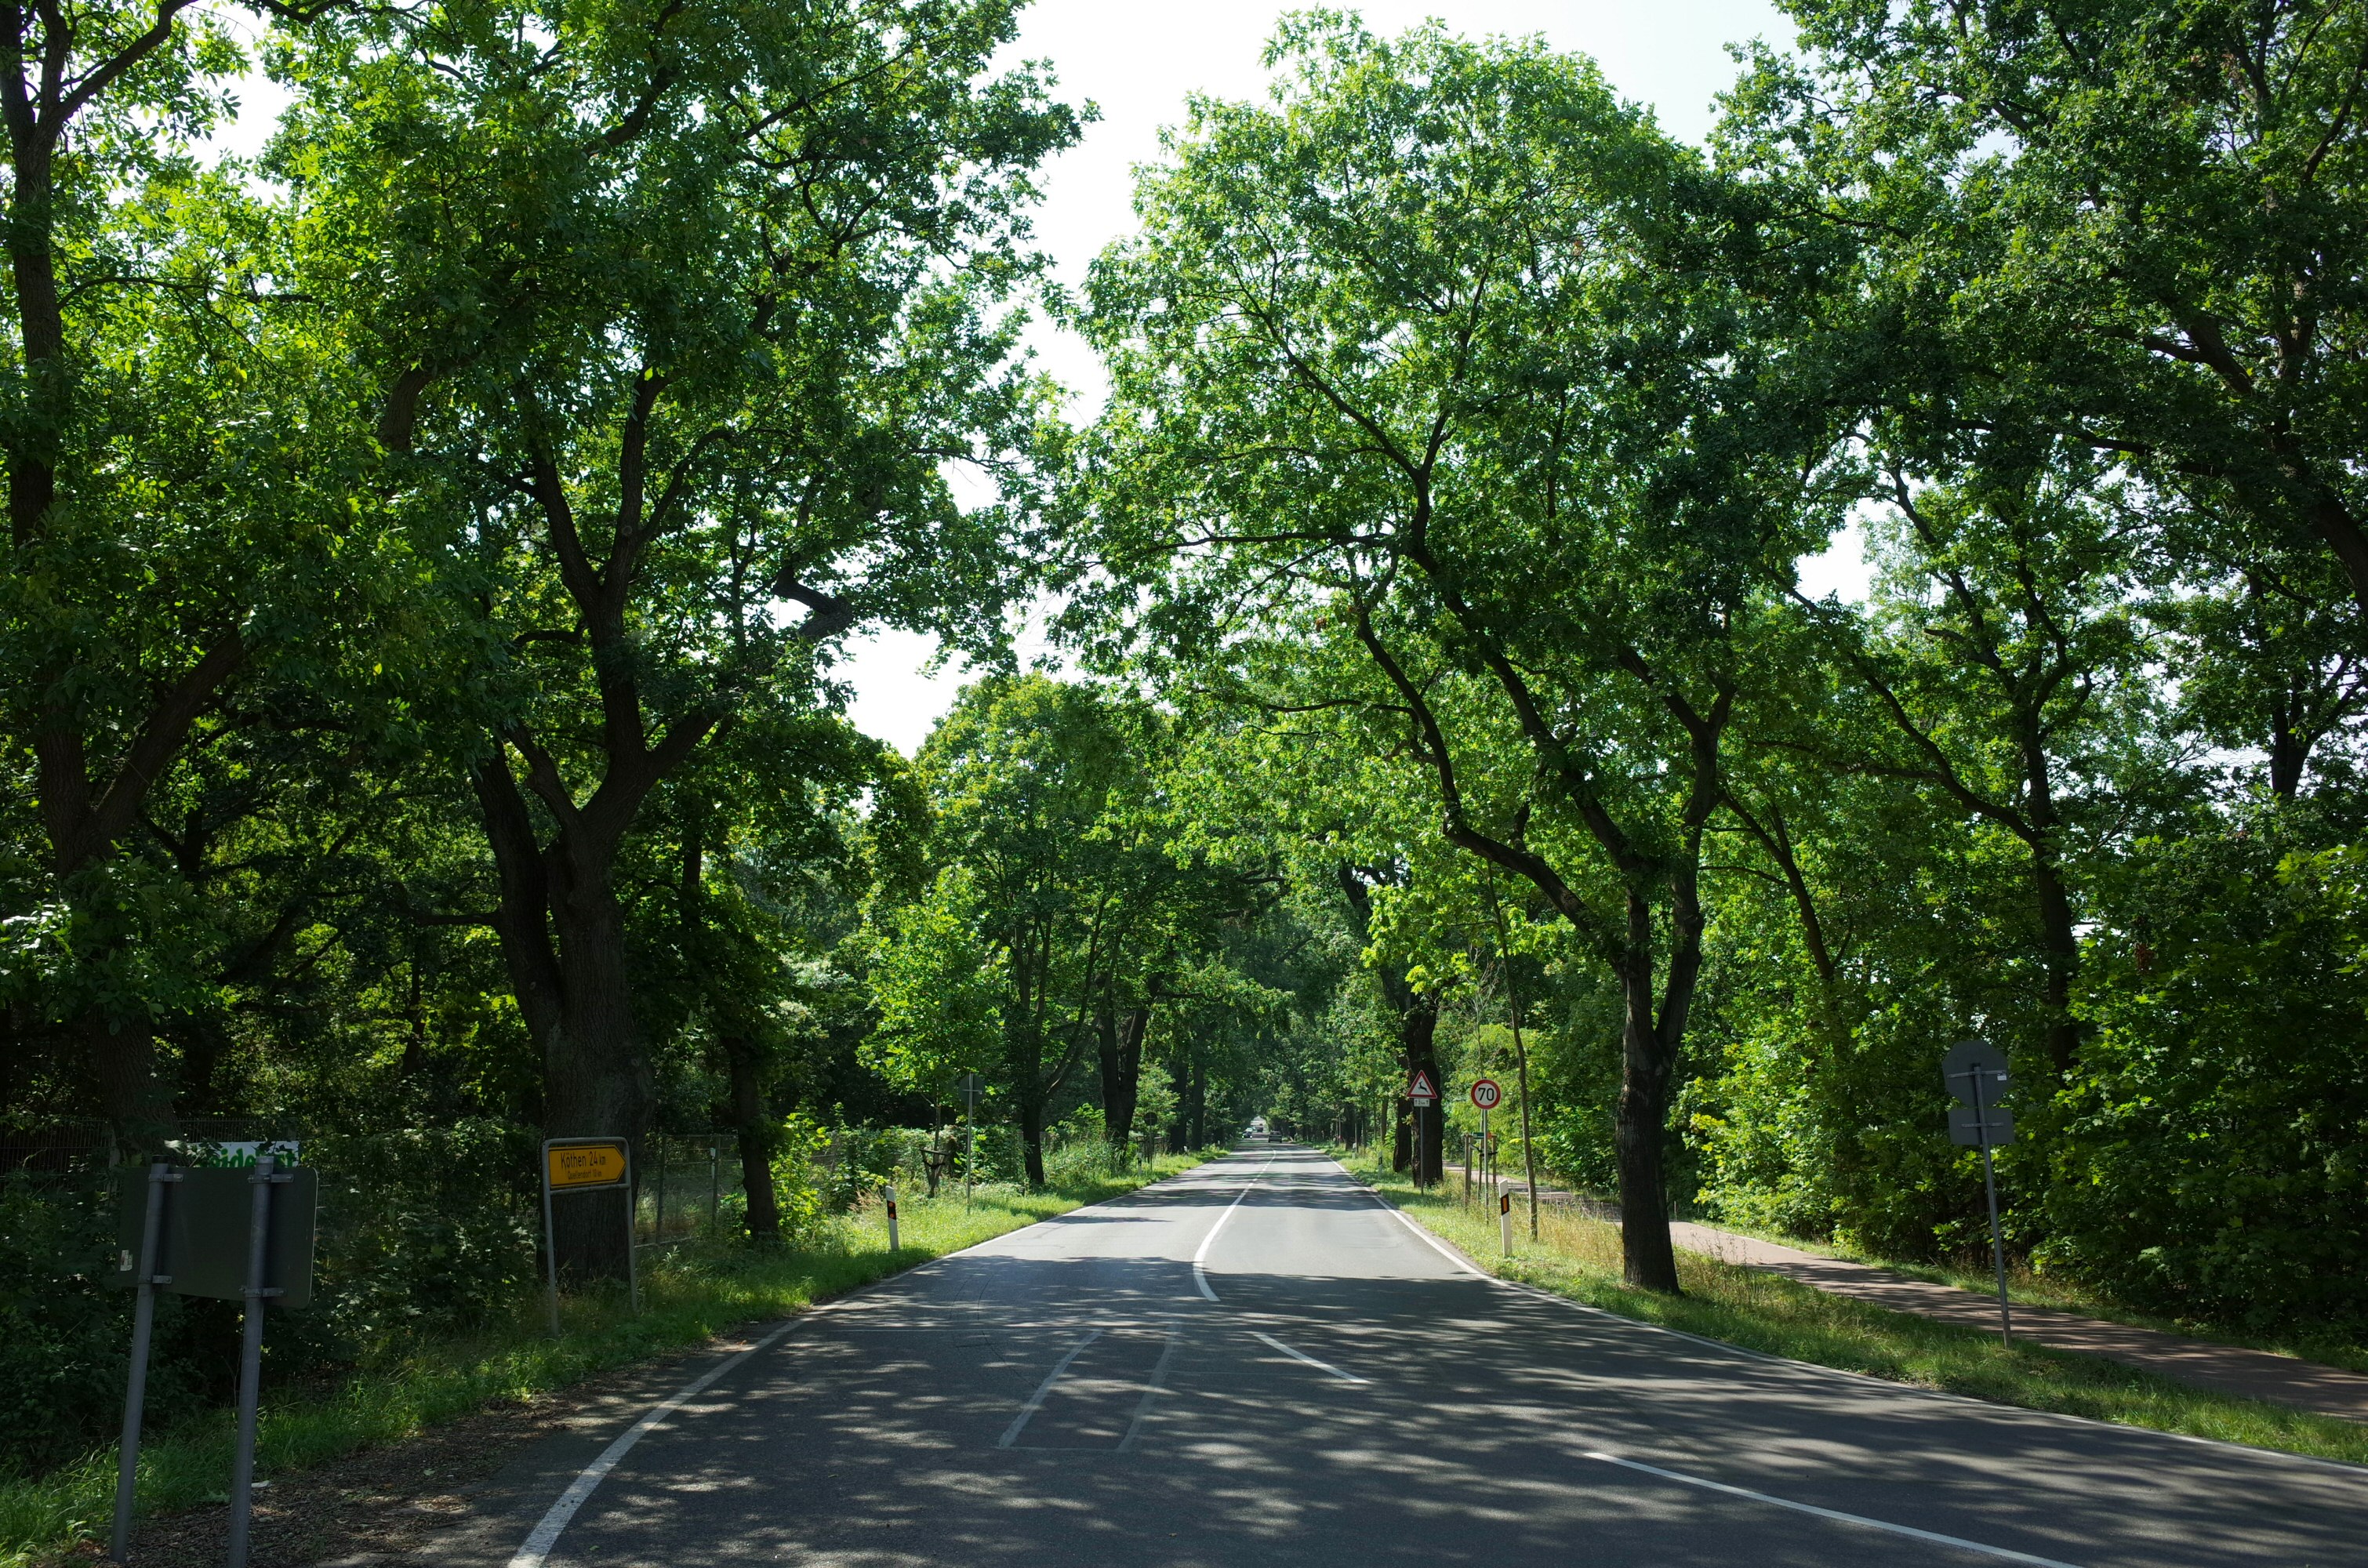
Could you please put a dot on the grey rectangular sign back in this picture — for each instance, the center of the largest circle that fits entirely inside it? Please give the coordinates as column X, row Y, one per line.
column 202, row 1246
column 1965, row 1124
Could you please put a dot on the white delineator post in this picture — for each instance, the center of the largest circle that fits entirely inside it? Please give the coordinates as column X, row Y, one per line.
column 1505, row 1220
column 889, row 1195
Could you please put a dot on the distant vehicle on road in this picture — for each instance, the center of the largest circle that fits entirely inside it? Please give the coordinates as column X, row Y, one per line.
column 1258, row 1126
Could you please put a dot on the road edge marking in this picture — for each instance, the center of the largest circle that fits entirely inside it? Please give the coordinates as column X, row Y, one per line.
column 1303, row 1356
column 1994, row 1407
column 1043, row 1389
column 1200, row 1275
column 540, row 1542
column 2006, row 1553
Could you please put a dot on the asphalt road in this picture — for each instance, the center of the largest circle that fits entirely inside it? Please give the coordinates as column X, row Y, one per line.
column 1327, row 1387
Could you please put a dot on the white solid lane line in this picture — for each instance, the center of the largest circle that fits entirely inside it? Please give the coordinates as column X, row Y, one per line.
column 1441, row 1248
column 1303, row 1356
column 537, row 1550
column 1998, row 1551
column 2003, row 1554
column 1036, row 1400
column 1199, row 1276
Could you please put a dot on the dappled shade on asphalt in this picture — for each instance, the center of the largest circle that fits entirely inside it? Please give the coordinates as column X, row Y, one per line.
column 1176, row 1435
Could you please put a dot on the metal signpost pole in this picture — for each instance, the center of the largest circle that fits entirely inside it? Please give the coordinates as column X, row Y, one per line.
column 1989, row 1185
column 970, row 1137
column 714, row 1191
column 1488, row 1169
column 250, row 1355
column 1978, row 1074
column 550, row 1241
column 135, row 1391
column 633, row 1204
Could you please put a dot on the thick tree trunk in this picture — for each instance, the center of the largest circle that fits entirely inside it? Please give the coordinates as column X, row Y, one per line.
column 562, row 940
column 2060, row 945
column 84, row 811
column 1133, row 1026
column 1647, row 1259
column 2059, row 936
column 2288, row 747
column 754, row 1132
column 1196, row 1105
column 1032, row 1139
column 1118, row 1037
column 596, row 1079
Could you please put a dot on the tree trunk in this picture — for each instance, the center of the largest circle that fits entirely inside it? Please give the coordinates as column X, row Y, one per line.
column 1196, row 1105
column 2288, row 747
column 754, row 1132
column 2060, row 944
column 1119, row 1038
column 1122, row 1074
column 1032, row 1139
column 562, row 940
column 1647, row 1260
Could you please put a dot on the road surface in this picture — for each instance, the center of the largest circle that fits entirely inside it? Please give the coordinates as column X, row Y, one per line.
column 1257, row 1363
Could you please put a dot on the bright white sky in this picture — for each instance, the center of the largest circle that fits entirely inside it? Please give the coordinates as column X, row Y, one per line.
column 1137, row 63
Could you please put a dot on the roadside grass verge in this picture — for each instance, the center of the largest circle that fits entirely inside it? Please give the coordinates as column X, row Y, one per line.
column 1579, row 1258
column 2026, row 1287
column 689, row 1295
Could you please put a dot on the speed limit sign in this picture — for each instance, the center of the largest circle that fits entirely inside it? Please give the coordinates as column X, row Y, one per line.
column 1485, row 1094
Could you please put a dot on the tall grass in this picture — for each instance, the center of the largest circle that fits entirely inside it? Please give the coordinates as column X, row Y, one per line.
column 689, row 1295
column 1579, row 1258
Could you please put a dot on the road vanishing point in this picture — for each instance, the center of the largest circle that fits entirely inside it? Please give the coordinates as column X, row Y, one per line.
column 1258, row 1362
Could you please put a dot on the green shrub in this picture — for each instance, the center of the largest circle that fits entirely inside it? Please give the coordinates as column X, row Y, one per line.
column 2212, row 1159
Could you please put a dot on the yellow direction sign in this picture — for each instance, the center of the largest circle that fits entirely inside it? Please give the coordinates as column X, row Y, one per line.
column 596, row 1164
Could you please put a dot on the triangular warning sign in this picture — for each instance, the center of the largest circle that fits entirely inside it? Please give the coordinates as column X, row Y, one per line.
column 1422, row 1087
